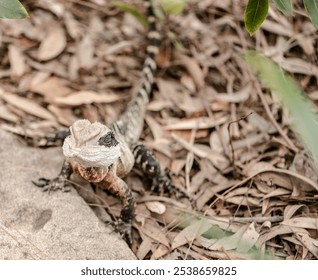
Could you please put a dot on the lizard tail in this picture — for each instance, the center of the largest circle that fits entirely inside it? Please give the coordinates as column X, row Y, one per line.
column 150, row 65
column 130, row 124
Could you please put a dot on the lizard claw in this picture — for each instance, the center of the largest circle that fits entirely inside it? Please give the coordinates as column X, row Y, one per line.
column 58, row 183
column 124, row 229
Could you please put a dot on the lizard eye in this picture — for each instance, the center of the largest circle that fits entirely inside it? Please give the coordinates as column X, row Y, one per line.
column 108, row 140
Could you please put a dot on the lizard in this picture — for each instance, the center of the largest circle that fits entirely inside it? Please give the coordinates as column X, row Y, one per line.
column 103, row 155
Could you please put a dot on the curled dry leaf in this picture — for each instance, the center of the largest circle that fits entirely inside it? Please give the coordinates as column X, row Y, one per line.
column 290, row 210
column 53, row 44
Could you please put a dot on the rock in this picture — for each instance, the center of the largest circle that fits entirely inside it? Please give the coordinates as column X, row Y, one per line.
column 38, row 225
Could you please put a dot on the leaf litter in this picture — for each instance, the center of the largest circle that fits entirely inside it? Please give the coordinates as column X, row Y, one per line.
column 223, row 136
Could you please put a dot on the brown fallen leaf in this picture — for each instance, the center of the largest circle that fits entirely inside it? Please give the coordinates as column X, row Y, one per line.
column 160, row 252
column 156, row 207
column 302, row 222
column 7, row 115
column 85, row 52
column 154, row 232
column 145, row 246
column 72, row 26
column 87, row 97
column 64, row 116
column 224, row 243
column 190, row 233
column 27, row 106
column 196, row 123
column 53, row 44
column 49, row 87
column 290, row 210
column 276, row 231
column 310, row 243
column 236, row 97
column 193, row 68
column 248, row 239
column 17, row 62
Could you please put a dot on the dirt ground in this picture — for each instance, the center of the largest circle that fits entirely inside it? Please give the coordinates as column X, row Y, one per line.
column 220, row 133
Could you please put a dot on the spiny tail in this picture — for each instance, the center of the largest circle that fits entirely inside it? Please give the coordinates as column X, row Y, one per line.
column 130, row 124
column 150, row 65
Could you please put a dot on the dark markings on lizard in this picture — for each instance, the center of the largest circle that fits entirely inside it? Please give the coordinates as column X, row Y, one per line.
column 108, row 140
column 103, row 155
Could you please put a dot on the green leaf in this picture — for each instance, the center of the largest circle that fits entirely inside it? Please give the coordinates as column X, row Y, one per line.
column 303, row 120
column 143, row 20
column 312, row 9
column 173, row 6
column 285, row 6
column 12, row 9
column 255, row 13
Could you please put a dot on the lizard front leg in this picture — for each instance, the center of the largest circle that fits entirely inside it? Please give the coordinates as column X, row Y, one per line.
column 57, row 183
column 119, row 188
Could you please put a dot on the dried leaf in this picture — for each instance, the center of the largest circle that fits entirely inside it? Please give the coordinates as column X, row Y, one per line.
column 156, row 233
column 85, row 52
column 17, row 61
column 8, row 115
column 49, row 87
column 190, row 233
column 160, row 252
column 72, row 26
column 290, row 210
column 198, row 123
column 237, row 97
column 248, row 239
column 144, row 248
column 53, row 44
column 193, row 69
column 310, row 243
column 302, row 222
column 156, row 207
column 27, row 106
column 86, row 97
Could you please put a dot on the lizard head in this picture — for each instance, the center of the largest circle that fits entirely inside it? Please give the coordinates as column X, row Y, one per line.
column 91, row 145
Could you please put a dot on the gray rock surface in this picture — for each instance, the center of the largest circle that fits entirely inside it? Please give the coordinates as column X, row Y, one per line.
column 35, row 225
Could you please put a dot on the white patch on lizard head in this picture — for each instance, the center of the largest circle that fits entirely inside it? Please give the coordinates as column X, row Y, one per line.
column 82, row 145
